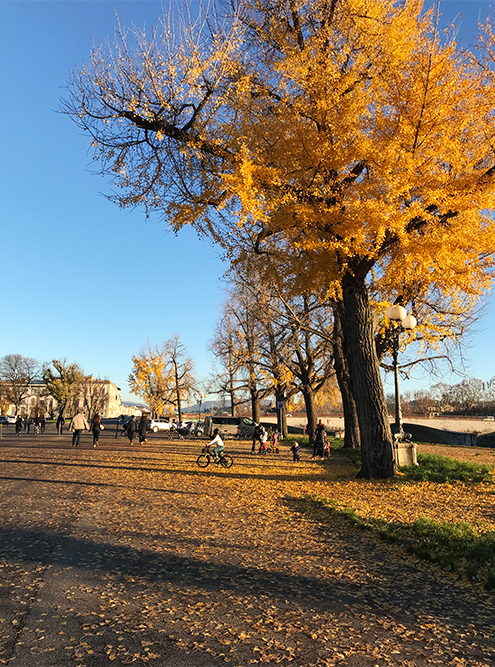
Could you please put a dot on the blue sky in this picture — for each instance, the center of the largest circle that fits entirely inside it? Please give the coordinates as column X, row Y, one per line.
column 81, row 278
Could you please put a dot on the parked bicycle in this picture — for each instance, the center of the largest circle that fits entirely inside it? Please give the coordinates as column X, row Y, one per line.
column 205, row 458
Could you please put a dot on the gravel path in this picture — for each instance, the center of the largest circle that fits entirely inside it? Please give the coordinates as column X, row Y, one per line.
column 120, row 556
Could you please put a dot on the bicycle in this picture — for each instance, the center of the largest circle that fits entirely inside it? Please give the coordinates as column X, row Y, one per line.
column 206, row 456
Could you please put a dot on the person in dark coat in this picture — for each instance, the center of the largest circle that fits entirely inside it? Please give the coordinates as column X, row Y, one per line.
column 256, row 437
column 295, row 452
column 60, row 424
column 142, row 428
column 18, row 425
column 96, row 427
column 131, row 428
column 320, row 437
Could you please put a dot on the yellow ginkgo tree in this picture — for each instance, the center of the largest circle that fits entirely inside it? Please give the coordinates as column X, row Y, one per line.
column 163, row 376
column 349, row 137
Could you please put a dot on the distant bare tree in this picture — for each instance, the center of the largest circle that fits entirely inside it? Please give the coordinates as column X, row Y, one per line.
column 226, row 349
column 94, row 396
column 17, row 374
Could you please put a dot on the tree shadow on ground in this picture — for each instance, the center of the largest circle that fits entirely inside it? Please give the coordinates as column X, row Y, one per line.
column 212, row 470
column 388, row 586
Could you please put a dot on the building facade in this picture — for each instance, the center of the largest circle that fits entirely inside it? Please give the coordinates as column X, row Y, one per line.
column 95, row 396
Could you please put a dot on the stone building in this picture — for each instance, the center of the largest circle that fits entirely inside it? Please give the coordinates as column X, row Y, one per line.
column 101, row 396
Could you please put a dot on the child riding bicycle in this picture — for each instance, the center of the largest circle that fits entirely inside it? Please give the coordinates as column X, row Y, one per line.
column 218, row 442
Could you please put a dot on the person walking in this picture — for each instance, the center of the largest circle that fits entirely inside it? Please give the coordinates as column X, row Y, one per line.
column 18, row 425
column 77, row 426
column 142, row 429
column 60, row 424
column 131, row 428
column 263, row 438
column 320, row 436
column 96, row 427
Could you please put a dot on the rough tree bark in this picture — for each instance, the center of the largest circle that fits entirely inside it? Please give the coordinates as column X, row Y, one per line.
column 352, row 438
column 360, row 352
column 309, row 403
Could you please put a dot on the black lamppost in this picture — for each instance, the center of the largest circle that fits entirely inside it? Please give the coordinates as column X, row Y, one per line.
column 400, row 321
column 199, row 398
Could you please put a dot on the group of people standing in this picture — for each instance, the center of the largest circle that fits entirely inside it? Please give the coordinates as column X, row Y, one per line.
column 260, row 436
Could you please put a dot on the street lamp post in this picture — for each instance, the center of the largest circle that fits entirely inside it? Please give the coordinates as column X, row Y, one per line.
column 401, row 321
column 200, row 397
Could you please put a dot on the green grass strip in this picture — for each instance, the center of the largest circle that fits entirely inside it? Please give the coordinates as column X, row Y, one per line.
column 434, row 468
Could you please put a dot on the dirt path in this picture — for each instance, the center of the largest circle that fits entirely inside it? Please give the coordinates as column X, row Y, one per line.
column 119, row 556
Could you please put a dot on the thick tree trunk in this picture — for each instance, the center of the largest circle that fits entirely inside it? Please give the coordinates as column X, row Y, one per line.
column 352, row 439
column 360, row 352
column 255, row 406
column 309, row 402
column 233, row 404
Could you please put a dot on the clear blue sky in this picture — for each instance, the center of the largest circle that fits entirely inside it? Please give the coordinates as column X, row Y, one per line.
column 81, row 278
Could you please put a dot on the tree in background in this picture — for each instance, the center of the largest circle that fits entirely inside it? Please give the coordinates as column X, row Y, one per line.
column 182, row 379
column 295, row 340
column 4, row 401
column 64, row 382
column 246, row 332
column 344, row 137
column 163, row 376
column 310, row 357
column 94, row 396
column 227, row 381
column 150, row 378
column 17, row 374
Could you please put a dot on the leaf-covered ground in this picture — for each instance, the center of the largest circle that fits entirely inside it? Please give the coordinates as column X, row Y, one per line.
column 405, row 501
column 120, row 556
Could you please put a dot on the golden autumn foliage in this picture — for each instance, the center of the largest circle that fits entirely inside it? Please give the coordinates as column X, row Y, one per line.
column 353, row 130
column 349, row 139
column 162, row 376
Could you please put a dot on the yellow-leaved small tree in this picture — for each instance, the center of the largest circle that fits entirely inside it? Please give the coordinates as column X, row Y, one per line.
column 163, row 376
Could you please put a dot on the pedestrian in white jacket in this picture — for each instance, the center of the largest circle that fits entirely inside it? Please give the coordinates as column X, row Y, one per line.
column 77, row 426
